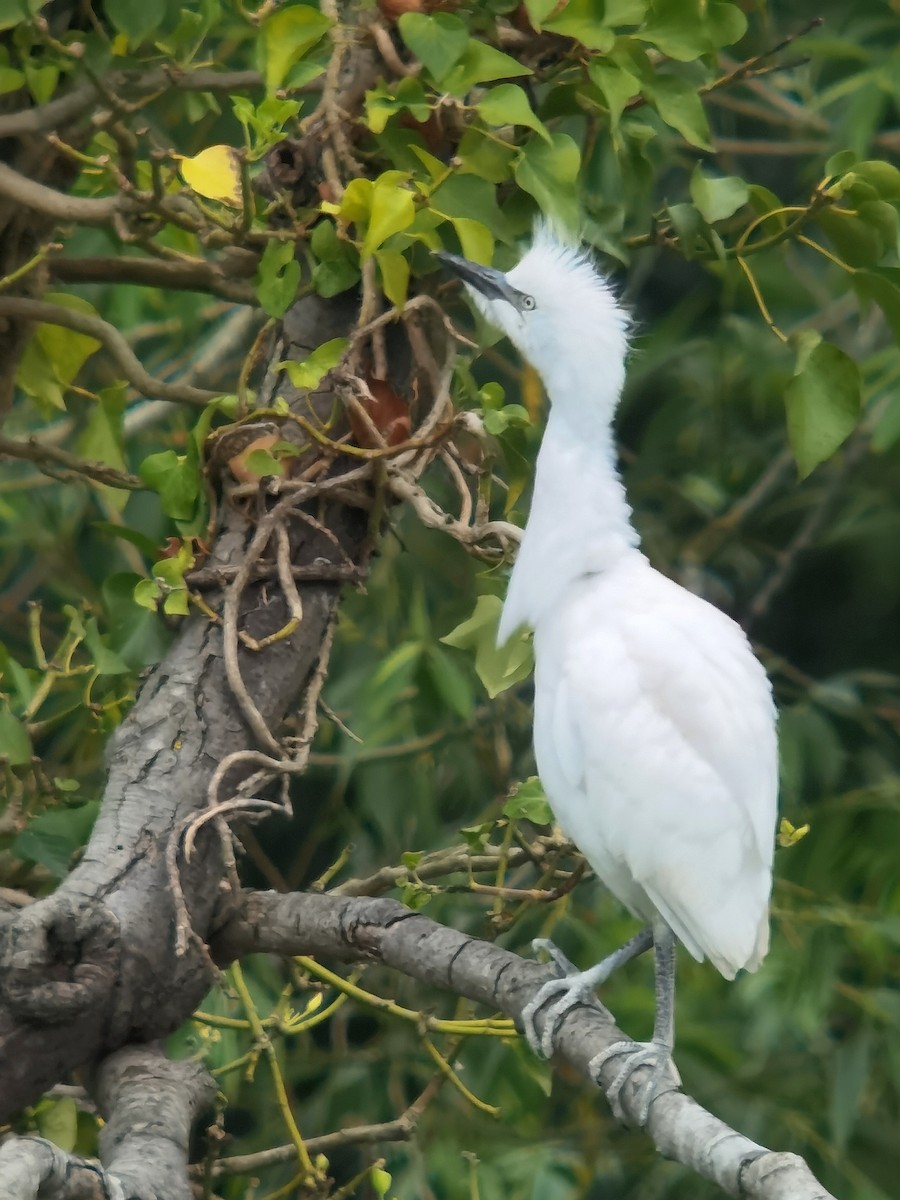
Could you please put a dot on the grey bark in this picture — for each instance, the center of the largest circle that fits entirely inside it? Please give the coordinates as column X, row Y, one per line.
column 351, row 928
column 93, row 966
column 151, row 1104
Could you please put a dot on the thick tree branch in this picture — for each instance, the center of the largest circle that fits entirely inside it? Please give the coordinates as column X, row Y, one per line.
column 85, row 210
column 124, row 357
column 386, row 931
column 195, row 276
column 150, row 1104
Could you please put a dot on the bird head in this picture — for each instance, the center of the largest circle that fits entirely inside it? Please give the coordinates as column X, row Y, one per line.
column 556, row 308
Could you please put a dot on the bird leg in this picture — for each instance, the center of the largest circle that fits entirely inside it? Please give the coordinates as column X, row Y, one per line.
column 572, row 987
column 656, row 1054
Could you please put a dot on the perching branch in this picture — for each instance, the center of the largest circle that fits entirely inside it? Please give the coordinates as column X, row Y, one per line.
column 386, row 931
column 122, row 354
column 59, row 463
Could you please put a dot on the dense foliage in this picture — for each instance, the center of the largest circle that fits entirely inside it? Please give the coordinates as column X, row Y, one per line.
column 742, row 193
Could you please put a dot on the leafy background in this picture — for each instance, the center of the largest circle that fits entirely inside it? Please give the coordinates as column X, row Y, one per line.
column 759, row 433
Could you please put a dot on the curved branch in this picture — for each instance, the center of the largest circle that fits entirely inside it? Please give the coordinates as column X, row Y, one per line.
column 385, row 930
column 86, row 210
column 194, row 276
column 59, row 112
column 122, row 354
column 57, row 462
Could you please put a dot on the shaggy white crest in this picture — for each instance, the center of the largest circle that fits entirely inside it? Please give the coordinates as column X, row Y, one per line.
column 573, row 305
column 654, row 727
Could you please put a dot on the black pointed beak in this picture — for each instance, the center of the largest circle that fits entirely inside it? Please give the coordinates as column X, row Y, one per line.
column 489, row 282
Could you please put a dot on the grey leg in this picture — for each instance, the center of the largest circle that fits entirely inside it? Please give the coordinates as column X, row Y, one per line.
column 573, row 987
column 657, row 1054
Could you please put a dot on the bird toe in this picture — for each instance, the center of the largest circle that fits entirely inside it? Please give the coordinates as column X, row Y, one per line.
column 663, row 1077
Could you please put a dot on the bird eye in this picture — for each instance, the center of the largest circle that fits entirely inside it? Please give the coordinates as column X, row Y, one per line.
column 528, row 303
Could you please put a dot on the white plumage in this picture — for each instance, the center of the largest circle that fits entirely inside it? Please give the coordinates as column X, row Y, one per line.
column 654, row 727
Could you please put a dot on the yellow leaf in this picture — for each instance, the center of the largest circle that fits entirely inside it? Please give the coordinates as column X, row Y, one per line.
column 788, row 835
column 214, row 173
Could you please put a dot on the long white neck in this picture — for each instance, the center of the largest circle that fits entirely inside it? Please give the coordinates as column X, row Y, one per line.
column 580, row 519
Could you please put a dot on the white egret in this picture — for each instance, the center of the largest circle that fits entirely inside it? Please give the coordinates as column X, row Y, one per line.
column 654, row 726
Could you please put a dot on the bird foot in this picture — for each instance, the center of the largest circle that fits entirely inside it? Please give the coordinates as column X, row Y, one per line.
column 571, row 987
column 663, row 1075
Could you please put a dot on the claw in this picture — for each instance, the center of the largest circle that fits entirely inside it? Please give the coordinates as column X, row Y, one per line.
column 572, row 987
column 663, row 1075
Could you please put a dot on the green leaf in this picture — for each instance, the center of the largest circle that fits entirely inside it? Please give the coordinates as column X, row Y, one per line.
column 528, row 801
column 857, row 242
column 175, row 479
column 580, row 19
column 822, row 401
column 450, row 683
column 507, row 104
column 678, row 104
column 311, row 371
column 883, row 176
column 477, row 837
column 278, row 277
column 106, row 661
column 618, row 86
column 379, row 1179
column 54, row 355
column 438, row 42
column 262, row 463
column 101, row 439
column 624, row 12
column 539, row 11
column 264, row 121
column 485, row 156
column 480, row 64
column 332, row 278
column 394, row 275
column 338, row 265
column 498, row 669
column 392, row 210
column 852, row 1071
column 415, row 896
column 686, row 29
column 719, row 198
column 383, row 102
column 467, row 197
column 286, row 36
column 881, row 285
column 476, row 240
column 53, row 837
column 135, row 18
column 550, row 174
column 497, row 421
column 57, row 1121
column 138, row 636
column 10, row 80
column 688, row 225
column 15, row 744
